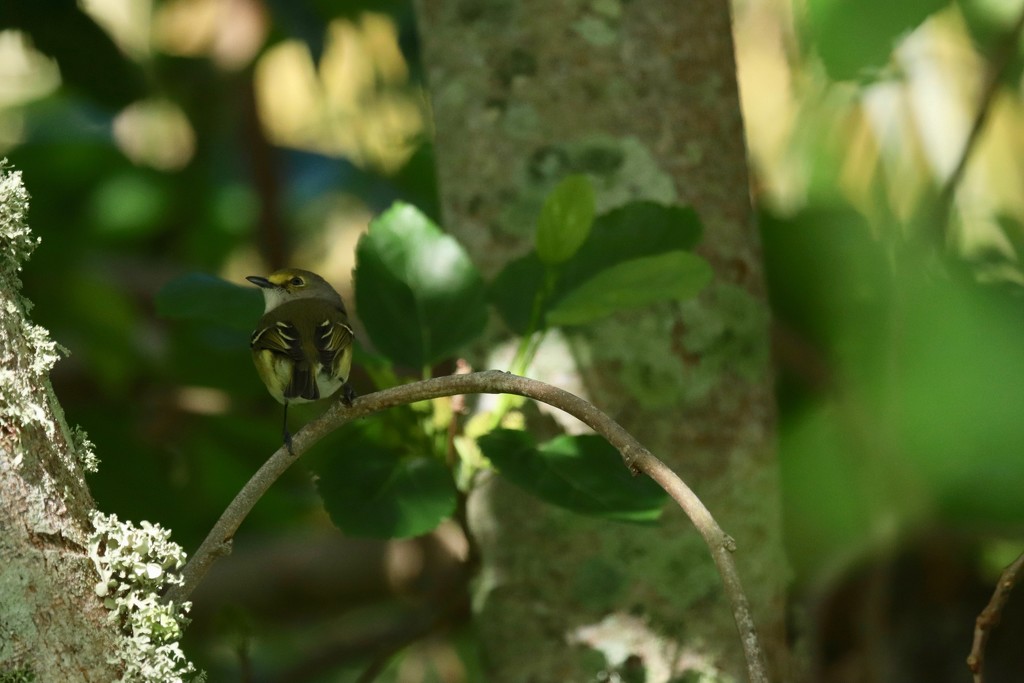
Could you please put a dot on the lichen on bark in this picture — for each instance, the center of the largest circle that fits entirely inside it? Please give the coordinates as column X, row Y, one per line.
column 53, row 625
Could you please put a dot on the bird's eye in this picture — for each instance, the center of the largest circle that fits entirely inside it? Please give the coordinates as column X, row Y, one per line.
column 297, row 282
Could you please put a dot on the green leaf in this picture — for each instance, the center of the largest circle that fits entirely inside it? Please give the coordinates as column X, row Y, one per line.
column 584, row 474
column 565, row 220
column 632, row 231
column 514, row 290
column 640, row 228
column 418, row 294
column 675, row 275
column 207, row 298
column 853, row 38
column 371, row 490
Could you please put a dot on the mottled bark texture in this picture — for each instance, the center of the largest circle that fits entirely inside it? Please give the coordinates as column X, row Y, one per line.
column 53, row 627
column 642, row 97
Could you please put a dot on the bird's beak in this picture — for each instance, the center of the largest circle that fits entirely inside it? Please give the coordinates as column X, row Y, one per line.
column 261, row 282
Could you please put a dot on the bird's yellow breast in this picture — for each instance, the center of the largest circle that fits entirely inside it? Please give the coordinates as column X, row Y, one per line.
column 276, row 372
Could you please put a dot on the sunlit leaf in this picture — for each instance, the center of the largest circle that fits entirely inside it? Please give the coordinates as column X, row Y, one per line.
column 418, row 294
column 565, row 220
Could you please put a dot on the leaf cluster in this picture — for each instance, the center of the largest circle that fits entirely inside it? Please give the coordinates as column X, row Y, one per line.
column 422, row 301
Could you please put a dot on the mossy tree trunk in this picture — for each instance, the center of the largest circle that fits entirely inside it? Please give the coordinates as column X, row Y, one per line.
column 642, row 97
column 53, row 627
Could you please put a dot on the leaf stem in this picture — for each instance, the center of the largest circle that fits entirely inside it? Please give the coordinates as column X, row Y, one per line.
column 531, row 341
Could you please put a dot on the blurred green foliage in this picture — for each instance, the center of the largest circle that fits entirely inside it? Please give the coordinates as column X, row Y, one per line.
column 856, row 38
column 900, row 411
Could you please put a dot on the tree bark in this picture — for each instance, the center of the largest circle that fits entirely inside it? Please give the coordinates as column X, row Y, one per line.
column 642, row 97
column 52, row 624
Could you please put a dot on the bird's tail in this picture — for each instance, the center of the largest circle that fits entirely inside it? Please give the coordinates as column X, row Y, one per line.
column 303, row 384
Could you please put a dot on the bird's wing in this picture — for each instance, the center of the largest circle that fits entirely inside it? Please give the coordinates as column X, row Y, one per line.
column 278, row 337
column 333, row 338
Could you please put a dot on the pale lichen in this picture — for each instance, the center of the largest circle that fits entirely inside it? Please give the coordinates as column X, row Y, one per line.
column 726, row 329
column 85, row 450
column 16, row 240
column 722, row 336
column 520, row 120
column 620, row 169
column 136, row 565
column 639, row 344
column 634, row 650
column 599, row 26
column 26, row 351
column 596, row 30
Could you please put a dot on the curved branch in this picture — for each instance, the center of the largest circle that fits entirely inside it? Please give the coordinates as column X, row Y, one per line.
column 637, row 458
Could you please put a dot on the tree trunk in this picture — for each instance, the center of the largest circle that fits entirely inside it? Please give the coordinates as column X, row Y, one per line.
column 53, row 627
column 642, row 97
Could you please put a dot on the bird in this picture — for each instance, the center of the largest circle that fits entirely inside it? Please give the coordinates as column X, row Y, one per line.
column 302, row 346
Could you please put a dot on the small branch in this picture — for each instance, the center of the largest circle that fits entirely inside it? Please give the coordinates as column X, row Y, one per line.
column 989, row 617
column 1001, row 60
column 637, row 458
column 274, row 247
column 378, row 643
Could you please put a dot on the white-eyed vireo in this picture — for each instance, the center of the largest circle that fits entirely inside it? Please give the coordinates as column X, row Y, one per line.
column 302, row 346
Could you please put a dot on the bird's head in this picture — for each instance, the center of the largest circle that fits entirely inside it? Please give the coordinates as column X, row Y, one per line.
column 289, row 284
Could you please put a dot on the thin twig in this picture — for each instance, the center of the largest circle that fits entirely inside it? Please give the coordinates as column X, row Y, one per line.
column 1001, row 61
column 637, row 458
column 989, row 617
